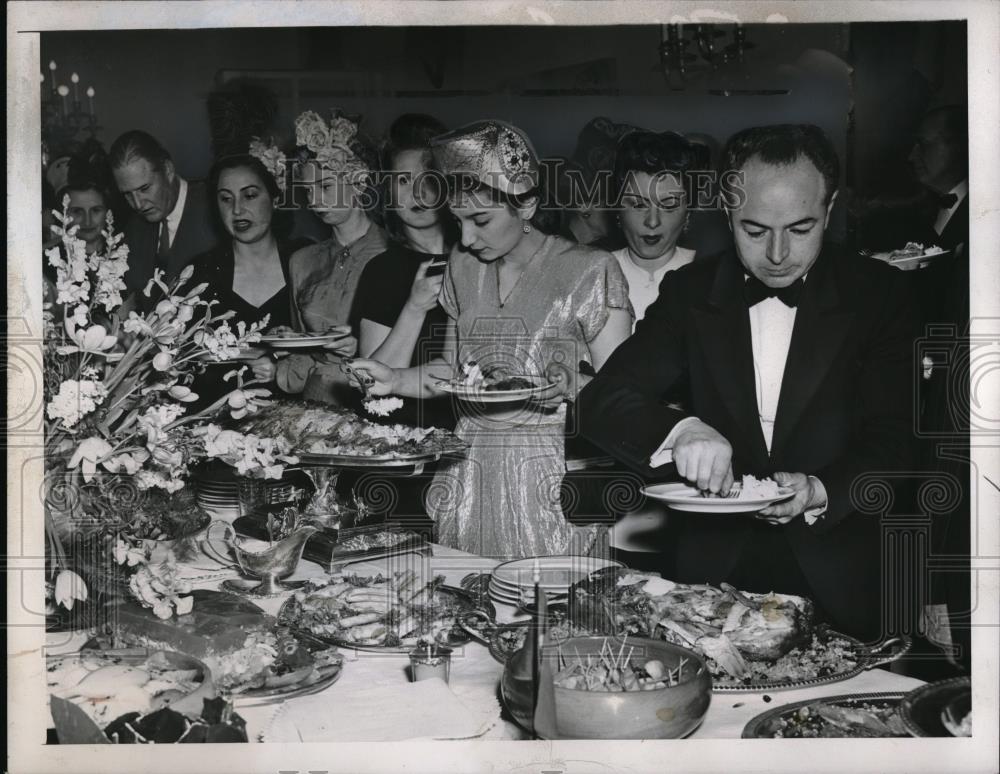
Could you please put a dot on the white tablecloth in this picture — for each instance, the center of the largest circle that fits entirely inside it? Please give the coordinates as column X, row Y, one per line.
column 475, row 675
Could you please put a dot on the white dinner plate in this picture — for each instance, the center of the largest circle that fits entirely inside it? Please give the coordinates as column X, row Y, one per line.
column 913, row 261
column 682, row 497
column 245, row 355
column 476, row 394
column 301, row 342
column 553, row 571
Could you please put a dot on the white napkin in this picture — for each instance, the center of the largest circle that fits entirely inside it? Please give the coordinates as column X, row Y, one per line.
column 422, row 710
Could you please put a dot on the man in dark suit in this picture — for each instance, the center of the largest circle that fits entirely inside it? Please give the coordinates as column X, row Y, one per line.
column 940, row 161
column 170, row 221
column 797, row 360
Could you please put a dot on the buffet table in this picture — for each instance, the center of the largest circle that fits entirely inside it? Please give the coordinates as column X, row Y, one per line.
column 374, row 688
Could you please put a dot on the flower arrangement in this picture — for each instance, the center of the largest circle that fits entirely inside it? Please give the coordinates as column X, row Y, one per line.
column 118, row 389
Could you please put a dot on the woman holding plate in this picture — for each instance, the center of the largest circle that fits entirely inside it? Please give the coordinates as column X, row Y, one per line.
column 334, row 167
column 520, row 303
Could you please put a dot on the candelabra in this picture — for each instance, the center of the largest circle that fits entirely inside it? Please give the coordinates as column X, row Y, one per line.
column 65, row 121
column 709, row 52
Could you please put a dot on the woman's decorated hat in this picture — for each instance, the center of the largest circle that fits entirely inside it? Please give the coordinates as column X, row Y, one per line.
column 493, row 153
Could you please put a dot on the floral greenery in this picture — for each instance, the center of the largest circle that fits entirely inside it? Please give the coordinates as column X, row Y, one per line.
column 118, row 385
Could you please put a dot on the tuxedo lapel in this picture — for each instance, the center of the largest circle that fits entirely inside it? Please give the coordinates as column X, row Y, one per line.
column 822, row 323
column 723, row 331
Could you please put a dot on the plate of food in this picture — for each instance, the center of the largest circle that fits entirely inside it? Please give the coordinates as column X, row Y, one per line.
column 942, row 708
column 752, row 642
column 283, row 337
column 750, row 494
column 912, row 255
column 323, row 435
column 862, row 715
column 108, row 684
column 245, row 356
column 388, row 613
column 251, row 658
column 495, row 385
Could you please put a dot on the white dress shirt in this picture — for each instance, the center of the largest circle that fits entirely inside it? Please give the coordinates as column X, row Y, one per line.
column 944, row 215
column 174, row 218
column 643, row 285
column 771, row 324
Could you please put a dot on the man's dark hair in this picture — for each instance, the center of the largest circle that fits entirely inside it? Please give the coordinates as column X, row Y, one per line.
column 654, row 153
column 783, row 144
column 955, row 127
column 137, row 144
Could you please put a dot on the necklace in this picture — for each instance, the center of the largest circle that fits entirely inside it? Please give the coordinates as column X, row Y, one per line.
column 501, row 301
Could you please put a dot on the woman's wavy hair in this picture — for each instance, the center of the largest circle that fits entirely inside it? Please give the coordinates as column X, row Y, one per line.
column 281, row 220
column 410, row 132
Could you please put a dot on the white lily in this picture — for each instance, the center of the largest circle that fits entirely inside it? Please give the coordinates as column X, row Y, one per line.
column 69, row 588
column 88, row 454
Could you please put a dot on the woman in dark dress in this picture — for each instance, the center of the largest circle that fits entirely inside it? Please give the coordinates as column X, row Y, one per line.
column 248, row 272
column 396, row 310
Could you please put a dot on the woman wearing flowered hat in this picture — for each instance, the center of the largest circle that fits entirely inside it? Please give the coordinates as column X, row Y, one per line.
column 519, row 302
column 334, row 167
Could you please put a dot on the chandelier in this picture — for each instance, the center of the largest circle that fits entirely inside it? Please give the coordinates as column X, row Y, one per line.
column 712, row 55
column 66, row 119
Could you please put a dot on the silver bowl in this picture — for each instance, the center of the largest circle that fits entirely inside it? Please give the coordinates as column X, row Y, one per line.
column 670, row 712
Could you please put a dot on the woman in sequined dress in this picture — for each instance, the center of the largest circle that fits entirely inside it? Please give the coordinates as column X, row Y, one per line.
column 521, row 302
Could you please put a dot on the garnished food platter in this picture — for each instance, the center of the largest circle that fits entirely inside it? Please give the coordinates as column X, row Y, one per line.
column 324, row 670
column 322, row 435
column 875, row 715
column 379, row 613
column 752, row 642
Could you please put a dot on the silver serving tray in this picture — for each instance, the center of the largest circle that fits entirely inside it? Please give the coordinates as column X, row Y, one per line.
column 757, row 727
column 922, row 707
column 457, row 636
column 869, row 657
column 376, row 461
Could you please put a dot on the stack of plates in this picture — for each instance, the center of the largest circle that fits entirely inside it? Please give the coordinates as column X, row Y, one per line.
column 219, row 498
column 514, row 582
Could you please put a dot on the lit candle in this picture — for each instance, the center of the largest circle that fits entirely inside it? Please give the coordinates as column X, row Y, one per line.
column 63, row 92
column 90, row 97
column 52, row 69
column 76, row 87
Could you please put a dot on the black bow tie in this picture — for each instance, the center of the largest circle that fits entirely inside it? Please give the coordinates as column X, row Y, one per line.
column 947, row 201
column 756, row 291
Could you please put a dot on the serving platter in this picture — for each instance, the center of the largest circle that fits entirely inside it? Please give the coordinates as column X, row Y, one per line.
column 682, row 497
column 828, row 656
column 767, row 724
column 923, row 709
column 292, row 614
column 324, row 676
column 377, row 460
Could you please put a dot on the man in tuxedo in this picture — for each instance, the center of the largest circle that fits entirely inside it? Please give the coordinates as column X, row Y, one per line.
column 797, row 360
column 170, row 221
column 940, row 162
